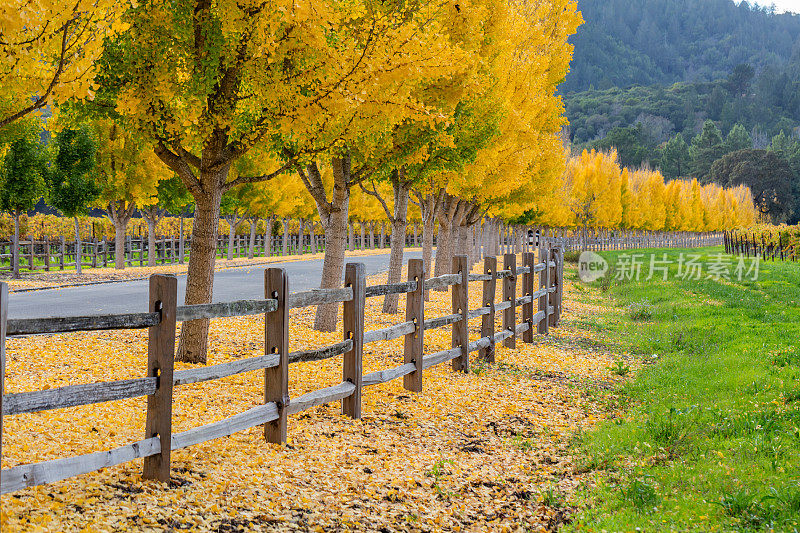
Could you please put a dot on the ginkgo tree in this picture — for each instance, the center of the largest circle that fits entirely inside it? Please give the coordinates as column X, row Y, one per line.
column 521, row 164
column 598, row 193
column 48, row 51
column 414, row 48
column 127, row 173
column 209, row 82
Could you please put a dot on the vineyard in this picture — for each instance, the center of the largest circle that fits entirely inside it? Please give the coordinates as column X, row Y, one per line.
column 768, row 242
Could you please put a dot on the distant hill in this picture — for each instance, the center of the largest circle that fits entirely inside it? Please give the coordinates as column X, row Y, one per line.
column 694, row 88
column 647, row 42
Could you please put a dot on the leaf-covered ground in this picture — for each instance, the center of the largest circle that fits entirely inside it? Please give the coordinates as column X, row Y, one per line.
column 60, row 278
column 488, row 450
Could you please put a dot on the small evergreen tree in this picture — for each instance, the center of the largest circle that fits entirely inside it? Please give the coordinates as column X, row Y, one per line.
column 706, row 148
column 72, row 189
column 675, row 159
column 22, row 183
column 738, row 139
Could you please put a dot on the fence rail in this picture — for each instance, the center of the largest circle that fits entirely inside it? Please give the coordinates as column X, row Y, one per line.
column 160, row 380
column 601, row 239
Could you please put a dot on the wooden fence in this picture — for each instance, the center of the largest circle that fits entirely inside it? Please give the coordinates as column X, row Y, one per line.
column 58, row 254
column 750, row 245
column 540, row 308
column 600, row 239
column 49, row 254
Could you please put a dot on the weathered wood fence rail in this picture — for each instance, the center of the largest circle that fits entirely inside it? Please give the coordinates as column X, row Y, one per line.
column 752, row 245
column 540, row 308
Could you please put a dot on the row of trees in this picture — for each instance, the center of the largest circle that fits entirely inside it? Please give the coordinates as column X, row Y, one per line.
column 770, row 167
column 252, row 109
column 596, row 191
column 451, row 105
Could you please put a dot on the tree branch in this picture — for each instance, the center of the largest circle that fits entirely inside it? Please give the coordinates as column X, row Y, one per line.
column 374, row 192
column 179, row 165
column 241, row 180
column 41, row 101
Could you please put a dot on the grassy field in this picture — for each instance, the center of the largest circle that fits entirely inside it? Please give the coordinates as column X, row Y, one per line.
column 709, row 433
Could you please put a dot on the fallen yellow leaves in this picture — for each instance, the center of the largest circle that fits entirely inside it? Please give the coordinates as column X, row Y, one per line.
column 471, row 452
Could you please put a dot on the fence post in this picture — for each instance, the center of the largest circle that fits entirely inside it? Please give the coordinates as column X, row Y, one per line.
column 63, row 253
column 415, row 312
column 487, row 321
column 160, row 364
column 510, row 295
column 3, row 322
column 544, row 257
column 47, row 254
column 529, row 261
column 353, row 321
column 460, row 298
column 276, row 341
column 556, row 280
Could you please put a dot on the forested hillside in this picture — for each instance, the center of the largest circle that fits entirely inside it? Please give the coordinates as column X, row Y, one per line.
column 645, row 42
column 679, row 85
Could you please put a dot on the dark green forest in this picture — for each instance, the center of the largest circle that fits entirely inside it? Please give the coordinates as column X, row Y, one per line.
column 681, row 84
column 645, row 42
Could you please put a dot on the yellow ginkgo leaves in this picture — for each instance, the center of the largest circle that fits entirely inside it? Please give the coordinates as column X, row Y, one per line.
column 471, row 452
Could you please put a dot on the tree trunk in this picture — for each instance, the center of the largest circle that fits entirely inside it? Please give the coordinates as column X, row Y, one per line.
column 427, row 246
column 193, row 345
column 362, row 244
column 399, row 223
column 463, row 244
column 477, row 254
column 251, row 246
column 78, row 255
column 313, row 237
column 268, row 236
column 495, row 237
column 443, row 249
column 371, row 235
column 300, row 237
column 15, row 246
column 335, row 244
column 285, row 236
column 151, row 241
column 231, row 235
column 181, row 243
column 120, row 225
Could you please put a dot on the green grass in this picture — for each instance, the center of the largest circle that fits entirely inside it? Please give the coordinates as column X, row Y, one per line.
column 711, row 437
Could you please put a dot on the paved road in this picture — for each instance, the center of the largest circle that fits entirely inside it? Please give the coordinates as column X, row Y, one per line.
column 131, row 296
